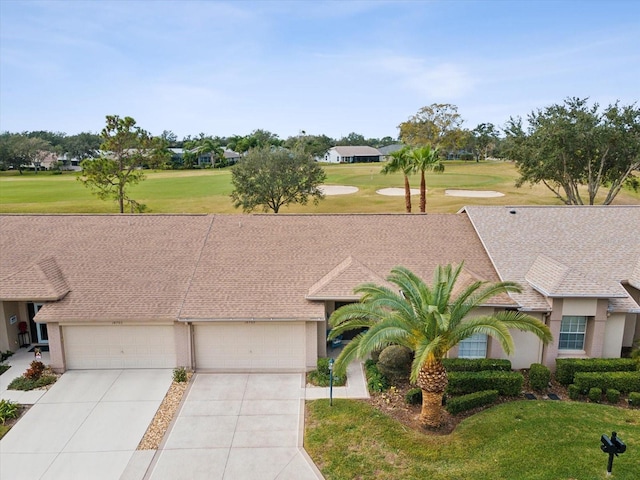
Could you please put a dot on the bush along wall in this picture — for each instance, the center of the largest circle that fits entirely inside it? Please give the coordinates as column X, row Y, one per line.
column 506, row 383
column 476, row 364
column 624, row 382
column 472, row 400
column 566, row 368
column 539, row 376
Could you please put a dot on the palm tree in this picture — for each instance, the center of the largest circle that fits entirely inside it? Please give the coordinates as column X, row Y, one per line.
column 209, row 145
column 401, row 162
column 423, row 159
column 428, row 320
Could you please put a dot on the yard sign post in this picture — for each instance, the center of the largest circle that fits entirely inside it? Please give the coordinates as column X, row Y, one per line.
column 331, row 382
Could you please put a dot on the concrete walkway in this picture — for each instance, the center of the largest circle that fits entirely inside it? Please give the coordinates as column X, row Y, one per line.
column 229, row 426
column 86, row 426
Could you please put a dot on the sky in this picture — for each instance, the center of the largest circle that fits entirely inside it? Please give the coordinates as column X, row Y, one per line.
column 322, row 67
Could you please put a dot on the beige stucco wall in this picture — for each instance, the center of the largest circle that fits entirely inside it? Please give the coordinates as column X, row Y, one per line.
column 182, row 335
column 613, row 335
column 311, row 334
column 56, row 350
column 579, row 306
column 8, row 332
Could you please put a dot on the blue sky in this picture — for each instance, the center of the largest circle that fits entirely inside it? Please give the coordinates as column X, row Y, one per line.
column 325, row 67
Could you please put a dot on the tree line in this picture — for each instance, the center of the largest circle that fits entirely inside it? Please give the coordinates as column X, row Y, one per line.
column 568, row 147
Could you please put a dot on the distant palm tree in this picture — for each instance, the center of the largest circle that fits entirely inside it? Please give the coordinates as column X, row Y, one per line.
column 211, row 146
column 401, row 162
column 425, row 159
column 429, row 320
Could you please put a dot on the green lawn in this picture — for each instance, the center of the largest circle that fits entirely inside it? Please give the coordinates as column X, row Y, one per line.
column 207, row 191
column 518, row 440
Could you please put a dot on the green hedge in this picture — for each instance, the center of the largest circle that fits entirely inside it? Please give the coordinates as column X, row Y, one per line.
column 506, row 383
column 376, row 381
column 624, row 382
column 574, row 392
column 595, row 394
column 539, row 376
column 613, row 395
column 634, row 399
column 476, row 364
column 472, row 400
column 566, row 368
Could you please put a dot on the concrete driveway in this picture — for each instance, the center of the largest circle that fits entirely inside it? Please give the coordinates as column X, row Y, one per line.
column 87, row 425
column 237, row 427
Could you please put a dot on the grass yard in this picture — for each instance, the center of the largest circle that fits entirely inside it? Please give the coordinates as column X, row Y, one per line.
column 207, row 191
column 518, row 440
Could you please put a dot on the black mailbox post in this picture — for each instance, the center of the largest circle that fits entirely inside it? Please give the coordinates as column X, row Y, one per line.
column 612, row 446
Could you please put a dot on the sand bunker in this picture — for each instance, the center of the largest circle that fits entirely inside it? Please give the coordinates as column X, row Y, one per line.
column 337, row 189
column 396, row 192
column 473, row 193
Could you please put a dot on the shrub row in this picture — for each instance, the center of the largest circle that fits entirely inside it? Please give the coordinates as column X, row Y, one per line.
column 539, row 376
column 321, row 376
column 375, row 380
column 566, row 368
column 472, row 400
column 622, row 381
column 476, row 364
column 506, row 383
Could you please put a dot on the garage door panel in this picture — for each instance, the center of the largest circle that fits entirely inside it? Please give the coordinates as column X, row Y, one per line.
column 250, row 346
column 119, row 346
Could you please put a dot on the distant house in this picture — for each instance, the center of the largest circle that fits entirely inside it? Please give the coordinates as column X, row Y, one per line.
column 348, row 154
column 389, row 149
column 231, row 157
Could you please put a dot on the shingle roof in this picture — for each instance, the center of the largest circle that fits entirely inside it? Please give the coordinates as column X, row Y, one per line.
column 358, row 151
column 117, row 267
column 40, row 281
column 168, row 267
column 573, row 251
column 262, row 266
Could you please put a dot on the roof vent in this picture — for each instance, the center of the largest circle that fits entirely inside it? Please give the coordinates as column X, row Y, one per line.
column 512, row 212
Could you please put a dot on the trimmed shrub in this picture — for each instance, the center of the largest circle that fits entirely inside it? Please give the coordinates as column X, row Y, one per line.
column 472, row 400
column 414, row 396
column 179, row 374
column 476, row 364
column 613, row 395
column 34, row 372
column 375, row 380
column 24, row 383
column 539, row 376
column 634, row 399
column 566, row 368
column 574, row 392
column 506, row 383
column 394, row 363
column 622, row 381
column 595, row 394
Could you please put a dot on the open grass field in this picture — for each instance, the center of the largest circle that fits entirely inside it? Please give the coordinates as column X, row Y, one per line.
column 207, row 191
column 523, row 440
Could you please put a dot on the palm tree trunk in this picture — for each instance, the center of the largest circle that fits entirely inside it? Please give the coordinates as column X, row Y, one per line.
column 407, row 194
column 433, row 381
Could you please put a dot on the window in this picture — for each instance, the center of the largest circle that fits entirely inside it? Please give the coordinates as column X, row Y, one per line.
column 572, row 333
column 473, row 347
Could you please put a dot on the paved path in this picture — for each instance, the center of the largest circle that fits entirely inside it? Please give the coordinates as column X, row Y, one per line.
column 87, row 426
column 237, row 427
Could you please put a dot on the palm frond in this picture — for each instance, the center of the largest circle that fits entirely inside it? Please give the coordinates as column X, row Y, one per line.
column 485, row 325
column 348, row 354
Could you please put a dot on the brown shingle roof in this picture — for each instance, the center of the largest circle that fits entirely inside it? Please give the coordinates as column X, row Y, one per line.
column 599, row 246
column 190, row 267
column 41, row 281
column 340, row 282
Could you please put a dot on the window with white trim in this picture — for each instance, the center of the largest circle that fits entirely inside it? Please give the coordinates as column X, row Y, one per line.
column 572, row 332
column 473, row 347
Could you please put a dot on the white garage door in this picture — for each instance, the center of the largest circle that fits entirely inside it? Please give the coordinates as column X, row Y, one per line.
column 119, row 346
column 257, row 346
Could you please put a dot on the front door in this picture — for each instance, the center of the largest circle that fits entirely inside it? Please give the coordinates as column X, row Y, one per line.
column 41, row 328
